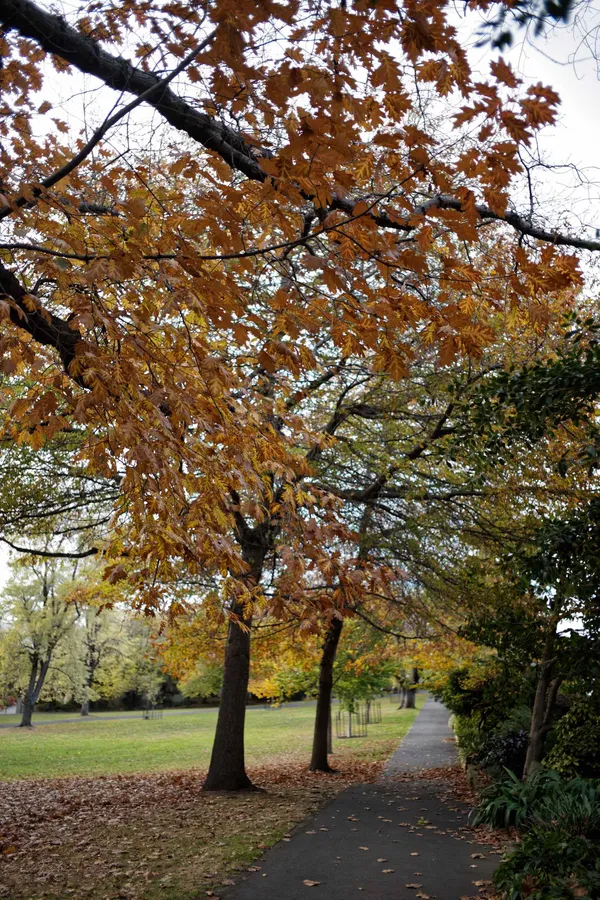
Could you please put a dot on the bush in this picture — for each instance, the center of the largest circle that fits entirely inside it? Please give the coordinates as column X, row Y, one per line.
column 468, row 736
column 549, row 865
column 576, row 747
column 506, row 750
column 512, row 801
column 559, row 855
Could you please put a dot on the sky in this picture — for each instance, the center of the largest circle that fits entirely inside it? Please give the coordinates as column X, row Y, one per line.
column 564, row 59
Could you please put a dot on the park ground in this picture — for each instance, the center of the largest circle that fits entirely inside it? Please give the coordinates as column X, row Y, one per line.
column 112, row 809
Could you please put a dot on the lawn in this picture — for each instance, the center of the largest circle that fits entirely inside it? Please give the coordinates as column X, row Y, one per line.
column 115, row 809
column 118, row 746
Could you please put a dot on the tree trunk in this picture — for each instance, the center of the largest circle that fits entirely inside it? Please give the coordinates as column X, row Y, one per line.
column 543, row 707
column 34, row 687
column 227, row 771
column 318, row 760
column 85, row 705
column 410, row 692
column 27, row 712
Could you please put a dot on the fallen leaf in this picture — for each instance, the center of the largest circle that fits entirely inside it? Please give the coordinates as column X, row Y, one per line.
column 363, row 848
column 310, row 883
column 381, row 859
column 413, row 885
column 387, row 871
column 414, row 854
column 477, row 856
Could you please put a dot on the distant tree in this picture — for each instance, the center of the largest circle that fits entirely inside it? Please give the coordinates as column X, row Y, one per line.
column 39, row 620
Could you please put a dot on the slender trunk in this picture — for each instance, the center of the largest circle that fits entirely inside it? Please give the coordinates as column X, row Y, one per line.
column 543, row 707
column 227, row 771
column 330, row 731
column 28, row 701
column 402, row 698
column 411, row 691
column 318, row 760
column 37, row 676
column 85, row 705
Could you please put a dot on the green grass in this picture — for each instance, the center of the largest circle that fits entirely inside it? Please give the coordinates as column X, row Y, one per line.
column 106, row 746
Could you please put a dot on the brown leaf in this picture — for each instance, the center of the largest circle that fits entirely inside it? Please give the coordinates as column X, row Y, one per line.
column 310, row 883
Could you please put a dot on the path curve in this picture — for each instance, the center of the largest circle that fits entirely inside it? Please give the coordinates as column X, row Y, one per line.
column 394, row 840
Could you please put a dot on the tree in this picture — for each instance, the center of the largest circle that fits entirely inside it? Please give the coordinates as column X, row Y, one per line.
column 39, row 621
column 174, row 305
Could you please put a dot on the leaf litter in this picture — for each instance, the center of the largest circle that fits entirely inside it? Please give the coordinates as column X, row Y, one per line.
column 147, row 836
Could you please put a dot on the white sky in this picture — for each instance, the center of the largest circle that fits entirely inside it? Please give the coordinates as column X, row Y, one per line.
column 564, row 62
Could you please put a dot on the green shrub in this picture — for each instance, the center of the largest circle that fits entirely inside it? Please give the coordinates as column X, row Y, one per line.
column 559, row 854
column 576, row 746
column 504, row 750
column 550, row 865
column 468, row 736
column 512, row 801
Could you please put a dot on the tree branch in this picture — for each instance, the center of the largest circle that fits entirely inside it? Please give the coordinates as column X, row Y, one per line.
column 154, row 90
column 50, row 554
column 56, row 36
column 42, row 325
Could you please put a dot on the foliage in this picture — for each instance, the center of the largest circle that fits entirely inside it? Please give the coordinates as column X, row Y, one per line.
column 204, row 681
column 254, row 243
column 546, row 797
column 504, row 751
column 576, row 744
column 469, row 736
column 512, row 17
column 551, row 865
column 559, row 854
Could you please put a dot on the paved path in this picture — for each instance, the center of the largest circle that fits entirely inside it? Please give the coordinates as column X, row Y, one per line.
column 387, row 841
column 428, row 745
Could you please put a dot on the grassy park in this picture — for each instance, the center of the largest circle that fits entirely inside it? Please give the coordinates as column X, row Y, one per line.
column 107, row 746
column 114, row 807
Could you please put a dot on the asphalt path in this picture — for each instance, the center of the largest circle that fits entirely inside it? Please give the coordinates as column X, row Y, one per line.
column 394, row 840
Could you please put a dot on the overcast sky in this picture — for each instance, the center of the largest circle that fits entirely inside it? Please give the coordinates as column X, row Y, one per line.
column 566, row 63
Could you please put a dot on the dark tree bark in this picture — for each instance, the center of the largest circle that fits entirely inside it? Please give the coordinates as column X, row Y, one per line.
column 227, row 771
column 319, row 759
column 411, row 691
column 37, row 677
column 543, row 707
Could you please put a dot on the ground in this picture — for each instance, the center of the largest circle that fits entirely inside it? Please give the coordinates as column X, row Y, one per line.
column 141, row 828
column 405, row 837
